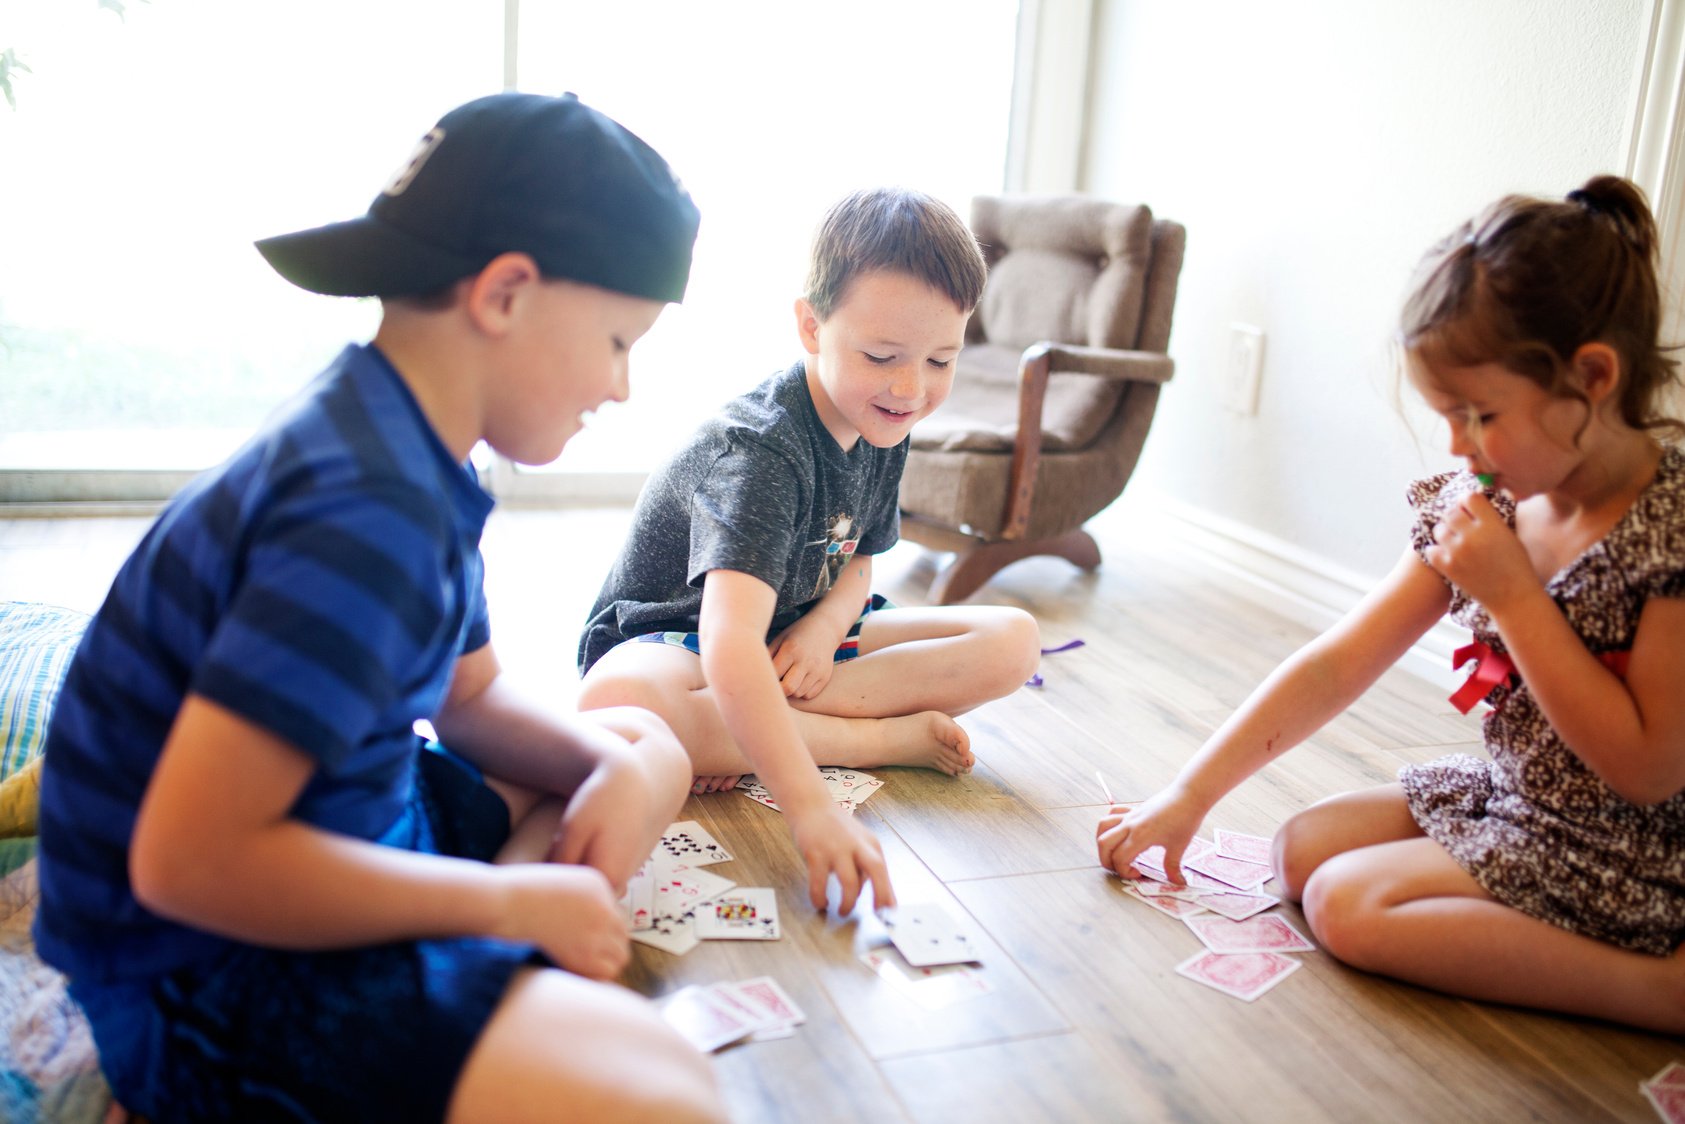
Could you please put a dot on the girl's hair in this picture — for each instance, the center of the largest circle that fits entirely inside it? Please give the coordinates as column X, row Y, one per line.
column 896, row 229
column 1529, row 281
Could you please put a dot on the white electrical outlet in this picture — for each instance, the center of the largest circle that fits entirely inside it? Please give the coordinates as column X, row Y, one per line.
column 1245, row 369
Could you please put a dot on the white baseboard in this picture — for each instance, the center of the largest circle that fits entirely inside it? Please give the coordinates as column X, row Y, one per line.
column 1302, row 586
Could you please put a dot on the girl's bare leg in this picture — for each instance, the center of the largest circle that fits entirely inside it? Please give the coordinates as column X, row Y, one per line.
column 1336, row 825
column 1406, row 909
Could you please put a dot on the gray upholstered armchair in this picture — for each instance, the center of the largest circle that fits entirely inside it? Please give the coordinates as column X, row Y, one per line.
column 1055, row 389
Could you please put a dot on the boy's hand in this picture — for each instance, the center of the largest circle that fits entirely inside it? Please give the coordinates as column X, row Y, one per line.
column 832, row 843
column 570, row 913
column 1169, row 818
column 803, row 656
column 605, row 821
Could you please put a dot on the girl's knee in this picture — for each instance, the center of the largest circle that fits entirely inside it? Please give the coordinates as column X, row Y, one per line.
column 1015, row 637
column 1293, row 856
column 1343, row 911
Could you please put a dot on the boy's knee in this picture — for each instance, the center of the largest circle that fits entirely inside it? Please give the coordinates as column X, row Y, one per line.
column 603, row 688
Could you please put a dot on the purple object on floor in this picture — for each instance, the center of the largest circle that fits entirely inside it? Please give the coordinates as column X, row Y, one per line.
column 1036, row 679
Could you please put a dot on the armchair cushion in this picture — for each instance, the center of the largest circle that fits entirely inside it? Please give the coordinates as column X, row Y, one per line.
column 981, row 414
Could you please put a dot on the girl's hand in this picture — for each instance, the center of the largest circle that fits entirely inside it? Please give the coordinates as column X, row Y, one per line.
column 803, row 657
column 832, row 843
column 1477, row 551
column 570, row 913
column 1169, row 818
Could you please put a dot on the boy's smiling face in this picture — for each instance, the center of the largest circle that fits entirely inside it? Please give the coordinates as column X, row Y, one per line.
column 571, row 352
column 883, row 359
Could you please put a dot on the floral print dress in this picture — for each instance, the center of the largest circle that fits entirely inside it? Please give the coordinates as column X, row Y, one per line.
column 1534, row 826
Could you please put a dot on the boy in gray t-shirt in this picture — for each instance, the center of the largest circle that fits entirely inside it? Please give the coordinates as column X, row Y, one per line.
column 740, row 608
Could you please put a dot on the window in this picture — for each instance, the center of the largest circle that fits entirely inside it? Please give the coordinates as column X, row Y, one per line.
column 139, row 329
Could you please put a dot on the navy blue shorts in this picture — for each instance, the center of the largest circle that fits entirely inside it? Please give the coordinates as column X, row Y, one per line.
column 376, row 1033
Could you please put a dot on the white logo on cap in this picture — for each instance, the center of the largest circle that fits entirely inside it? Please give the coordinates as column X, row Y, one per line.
column 406, row 174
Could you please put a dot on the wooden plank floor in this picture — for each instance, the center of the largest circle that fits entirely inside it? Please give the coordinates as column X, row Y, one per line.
column 1087, row 1019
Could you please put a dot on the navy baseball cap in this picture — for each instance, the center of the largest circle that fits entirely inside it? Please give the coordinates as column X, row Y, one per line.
column 549, row 177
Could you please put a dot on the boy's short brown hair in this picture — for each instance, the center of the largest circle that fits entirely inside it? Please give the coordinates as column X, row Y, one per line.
column 895, row 229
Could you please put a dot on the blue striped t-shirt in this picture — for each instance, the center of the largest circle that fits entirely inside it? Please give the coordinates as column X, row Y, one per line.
column 321, row 584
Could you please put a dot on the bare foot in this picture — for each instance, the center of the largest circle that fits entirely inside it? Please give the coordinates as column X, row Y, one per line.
column 930, row 740
column 713, row 784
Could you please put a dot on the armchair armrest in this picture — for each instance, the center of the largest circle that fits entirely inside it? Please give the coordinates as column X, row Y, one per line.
column 1038, row 363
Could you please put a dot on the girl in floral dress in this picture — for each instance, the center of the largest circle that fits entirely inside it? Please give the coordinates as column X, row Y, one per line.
column 1553, row 874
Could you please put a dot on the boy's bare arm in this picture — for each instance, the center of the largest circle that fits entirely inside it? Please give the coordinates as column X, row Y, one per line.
column 736, row 608
column 803, row 656
column 215, row 847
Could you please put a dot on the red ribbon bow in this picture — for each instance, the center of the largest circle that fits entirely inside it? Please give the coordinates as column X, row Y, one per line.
column 1492, row 668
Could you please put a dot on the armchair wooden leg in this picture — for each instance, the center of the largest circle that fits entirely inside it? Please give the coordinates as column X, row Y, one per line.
column 972, row 567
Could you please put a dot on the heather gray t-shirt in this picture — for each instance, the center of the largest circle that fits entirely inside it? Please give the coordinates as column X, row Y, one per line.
column 763, row 488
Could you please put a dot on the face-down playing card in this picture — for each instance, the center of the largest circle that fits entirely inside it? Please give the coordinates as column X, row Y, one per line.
column 927, row 934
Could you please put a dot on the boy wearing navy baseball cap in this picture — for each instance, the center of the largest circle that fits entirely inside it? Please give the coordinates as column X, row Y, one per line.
column 270, row 898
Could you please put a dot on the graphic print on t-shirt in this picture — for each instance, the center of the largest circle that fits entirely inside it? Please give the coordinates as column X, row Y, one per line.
column 839, row 548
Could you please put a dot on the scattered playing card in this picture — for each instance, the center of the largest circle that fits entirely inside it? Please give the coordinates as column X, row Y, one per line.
column 742, row 914
column 676, row 935
column 1246, row 848
column 1237, row 873
column 679, row 890
column 706, row 1022
column 1236, row 906
column 1153, row 888
column 638, row 902
column 848, row 788
column 1244, row 976
column 932, row 988
column 764, row 992
column 1671, row 1074
column 1667, row 1099
column 1172, row 905
column 689, row 842
column 1268, row 933
column 927, row 934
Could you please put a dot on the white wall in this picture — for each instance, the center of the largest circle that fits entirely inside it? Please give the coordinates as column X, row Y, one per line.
column 1315, row 149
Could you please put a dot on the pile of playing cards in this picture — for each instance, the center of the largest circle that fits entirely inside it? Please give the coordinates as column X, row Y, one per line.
column 1223, row 903
column 720, row 1014
column 849, row 788
column 925, row 954
column 1666, row 1093
column 671, row 904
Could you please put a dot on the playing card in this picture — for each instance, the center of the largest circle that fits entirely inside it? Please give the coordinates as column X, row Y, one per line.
column 758, row 1017
column 1671, row 1074
column 927, row 934
column 1153, row 888
column 702, row 1019
column 1171, row 905
column 676, row 935
column 1237, row 873
column 1236, row 907
column 1244, row 976
column 679, row 891
column 689, row 842
column 752, row 788
column 1269, row 933
column 742, row 914
column 932, row 988
column 764, row 992
column 1668, row 1100
column 1246, row 848
column 638, row 902
column 849, row 787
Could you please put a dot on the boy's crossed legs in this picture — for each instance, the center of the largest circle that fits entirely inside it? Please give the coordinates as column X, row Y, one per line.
column 893, row 704
column 1382, row 896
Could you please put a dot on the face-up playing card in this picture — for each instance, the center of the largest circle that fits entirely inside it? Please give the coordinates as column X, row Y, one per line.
column 706, row 1022
column 688, row 842
column 679, row 891
column 932, row 988
column 1245, row 975
column 742, row 914
column 676, row 935
column 1268, row 933
column 927, row 934
column 1236, row 907
column 1246, row 848
column 752, row 788
column 638, row 903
